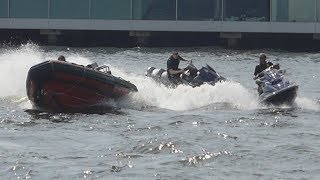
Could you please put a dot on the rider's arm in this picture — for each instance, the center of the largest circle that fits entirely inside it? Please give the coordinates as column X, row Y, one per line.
column 259, row 75
column 255, row 73
column 188, row 61
column 256, row 70
column 171, row 71
column 270, row 64
column 182, row 59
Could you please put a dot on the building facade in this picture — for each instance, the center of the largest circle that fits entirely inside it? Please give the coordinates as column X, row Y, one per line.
column 230, row 18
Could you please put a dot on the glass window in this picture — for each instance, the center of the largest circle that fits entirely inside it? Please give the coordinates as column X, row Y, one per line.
column 280, row 10
column 154, row 9
column 293, row 10
column 199, row 10
column 29, row 9
column 111, row 9
column 318, row 10
column 69, row 9
column 246, row 10
column 3, row 8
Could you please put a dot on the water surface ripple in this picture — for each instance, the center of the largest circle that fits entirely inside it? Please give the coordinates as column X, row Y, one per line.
column 219, row 132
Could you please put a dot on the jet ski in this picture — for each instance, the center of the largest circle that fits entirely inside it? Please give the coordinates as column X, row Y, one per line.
column 191, row 76
column 275, row 89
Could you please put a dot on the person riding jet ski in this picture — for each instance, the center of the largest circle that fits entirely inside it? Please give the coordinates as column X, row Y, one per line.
column 261, row 67
column 276, row 89
column 173, row 67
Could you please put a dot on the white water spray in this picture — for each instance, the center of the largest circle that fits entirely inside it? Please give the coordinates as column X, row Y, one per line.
column 14, row 68
column 187, row 98
column 15, row 64
column 306, row 103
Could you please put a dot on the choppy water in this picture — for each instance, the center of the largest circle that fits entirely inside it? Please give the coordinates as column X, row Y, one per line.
column 219, row 132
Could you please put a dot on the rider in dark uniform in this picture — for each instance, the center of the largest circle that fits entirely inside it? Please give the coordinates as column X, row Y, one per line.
column 263, row 64
column 173, row 67
column 261, row 67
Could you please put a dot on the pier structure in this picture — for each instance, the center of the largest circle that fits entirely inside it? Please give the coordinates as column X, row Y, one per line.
column 148, row 22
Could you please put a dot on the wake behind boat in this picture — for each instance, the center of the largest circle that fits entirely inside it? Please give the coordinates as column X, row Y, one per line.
column 275, row 88
column 191, row 76
column 58, row 86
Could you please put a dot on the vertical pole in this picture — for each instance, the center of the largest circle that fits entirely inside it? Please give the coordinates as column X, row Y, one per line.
column 270, row 11
column 89, row 9
column 316, row 10
column 131, row 9
column 49, row 9
column 222, row 10
column 8, row 8
column 316, row 17
column 176, row 10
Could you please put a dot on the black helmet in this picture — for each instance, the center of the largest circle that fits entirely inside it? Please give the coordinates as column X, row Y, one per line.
column 61, row 58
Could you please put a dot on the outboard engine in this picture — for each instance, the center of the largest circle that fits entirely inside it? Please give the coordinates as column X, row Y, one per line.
column 159, row 75
column 149, row 71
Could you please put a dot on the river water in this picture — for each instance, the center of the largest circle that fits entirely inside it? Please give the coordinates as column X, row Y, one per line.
column 219, row 132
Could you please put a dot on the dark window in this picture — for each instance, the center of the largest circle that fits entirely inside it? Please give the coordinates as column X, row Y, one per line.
column 29, row 9
column 199, row 10
column 3, row 8
column 154, row 9
column 111, row 9
column 247, row 10
column 69, row 9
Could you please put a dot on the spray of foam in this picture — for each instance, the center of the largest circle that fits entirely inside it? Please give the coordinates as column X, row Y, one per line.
column 15, row 64
column 306, row 103
column 187, row 98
